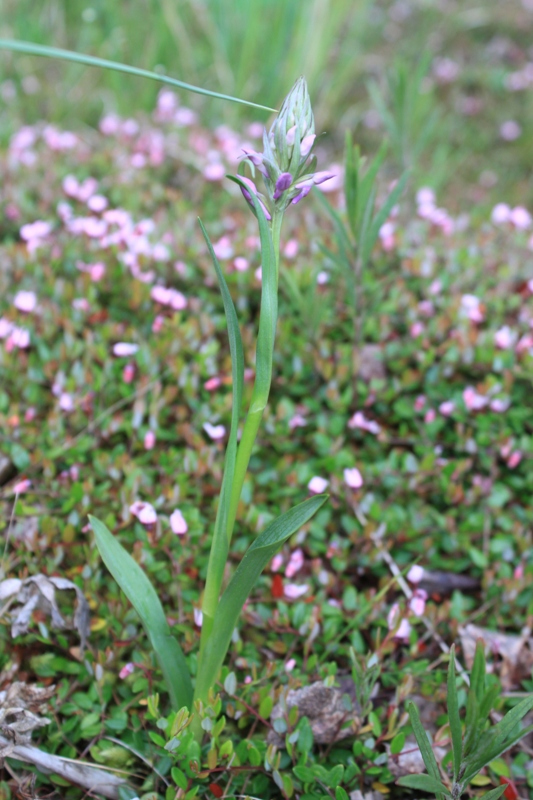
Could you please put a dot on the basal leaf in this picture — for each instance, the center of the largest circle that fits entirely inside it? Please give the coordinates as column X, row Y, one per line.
column 142, row 595
column 254, row 561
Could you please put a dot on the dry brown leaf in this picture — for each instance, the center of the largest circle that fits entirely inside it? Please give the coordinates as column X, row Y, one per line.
column 516, row 652
column 39, row 592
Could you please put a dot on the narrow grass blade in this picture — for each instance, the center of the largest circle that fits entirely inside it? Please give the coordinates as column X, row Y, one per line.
column 381, row 216
column 491, row 746
column 507, row 725
column 142, row 595
column 477, row 675
column 253, row 563
column 351, row 181
column 453, row 715
column 426, row 750
column 91, row 61
column 368, row 180
column 424, row 782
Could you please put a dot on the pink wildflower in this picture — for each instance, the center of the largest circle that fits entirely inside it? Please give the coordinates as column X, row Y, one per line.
column 276, row 563
column 417, row 603
column 289, row 666
column 25, row 301
column 149, row 440
column 514, row 459
column 520, row 218
column 447, row 408
column 66, row 402
column 214, row 432
column 212, row 383
column 22, row 486
column 393, row 621
column 317, row 485
column 128, row 373
column 293, row 590
column 297, row 421
column 473, row 400
column 198, row 617
column 510, row 130
column 360, row 421
column 296, row 562
column 125, row 349
column 241, row 264
column 353, row 478
column 505, row 338
column 430, row 416
column 126, row 670
column 415, row 574
column 145, row 512
column 178, row 523
column 290, row 249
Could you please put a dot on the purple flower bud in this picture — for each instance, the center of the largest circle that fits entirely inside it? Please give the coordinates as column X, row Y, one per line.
column 253, row 156
column 248, row 196
column 321, row 177
column 282, row 184
column 305, row 188
column 306, row 145
column 291, row 133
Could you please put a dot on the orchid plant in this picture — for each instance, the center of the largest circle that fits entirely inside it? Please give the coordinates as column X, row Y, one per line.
column 287, row 166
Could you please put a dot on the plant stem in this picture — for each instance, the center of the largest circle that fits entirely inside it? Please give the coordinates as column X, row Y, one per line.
column 216, row 570
column 255, row 412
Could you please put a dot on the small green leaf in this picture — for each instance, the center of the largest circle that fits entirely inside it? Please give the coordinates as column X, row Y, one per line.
column 453, row 715
column 494, row 794
column 422, row 740
column 396, row 746
column 341, row 794
column 424, row 782
column 477, row 676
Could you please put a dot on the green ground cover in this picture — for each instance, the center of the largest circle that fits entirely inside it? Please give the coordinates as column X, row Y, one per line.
column 406, row 388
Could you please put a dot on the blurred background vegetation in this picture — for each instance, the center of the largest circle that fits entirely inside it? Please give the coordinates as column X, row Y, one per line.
column 432, row 74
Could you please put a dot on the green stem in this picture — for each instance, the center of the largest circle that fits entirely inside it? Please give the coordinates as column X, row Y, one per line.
column 257, row 406
column 215, row 574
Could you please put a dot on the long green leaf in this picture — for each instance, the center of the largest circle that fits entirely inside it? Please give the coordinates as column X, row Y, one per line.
column 253, row 563
column 453, row 715
column 351, row 181
column 424, row 782
column 426, row 750
column 506, row 725
column 32, row 49
column 220, row 542
column 490, row 747
column 368, row 180
column 142, row 595
column 477, row 675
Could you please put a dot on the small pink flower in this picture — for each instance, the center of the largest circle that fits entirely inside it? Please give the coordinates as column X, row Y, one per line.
column 149, row 440
column 510, row 130
column 214, row 171
column 25, row 301
column 294, row 590
column 473, row 400
column 289, row 666
column 416, row 329
column 514, row 459
column 66, row 402
column 291, row 248
column 212, row 384
column 499, row 405
column 145, row 512
column 393, row 620
column 241, row 264
column 447, row 408
column 415, row 574
column 30, row 414
column 520, row 218
column 158, row 323
column 322, row 278
column 430, row 416
column 435, row 287
column 420, row 402
column 295, row 564
column 353, row 478
column 21, row 486
column 128, row 373
column 276, row 563
column 18, row 337
column 178, row 523
column 297, row 421
column 124, row 349
column 223, row 248
column 360, row 421
column 97, row 203
column 214, row 432
column 471, row 306
column 417, row 603
column 198, row 617
column 317, row 485
column 81, row 304
column 505, row 338
column 126, row 670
